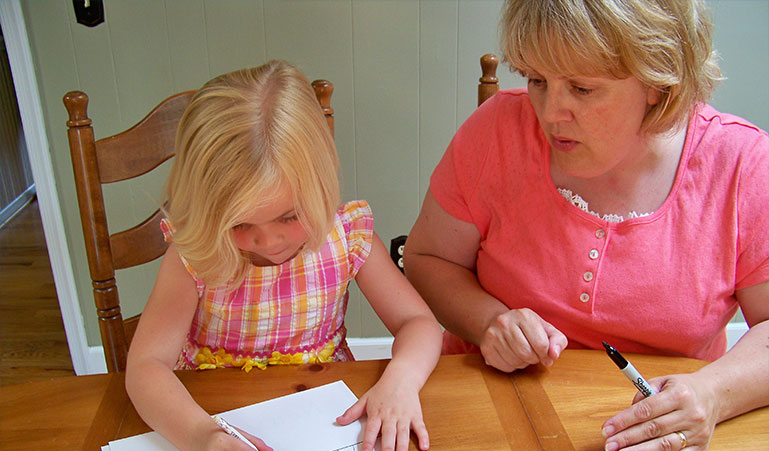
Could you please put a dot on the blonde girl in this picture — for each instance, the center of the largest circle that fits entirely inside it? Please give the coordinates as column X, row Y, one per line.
column 260, row 258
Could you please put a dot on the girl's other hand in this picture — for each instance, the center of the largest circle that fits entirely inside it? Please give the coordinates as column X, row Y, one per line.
column 519, row 338
column 684, row 404
column 392, row 407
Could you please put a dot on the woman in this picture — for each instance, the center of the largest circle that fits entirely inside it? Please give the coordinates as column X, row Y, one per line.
column 607, row 202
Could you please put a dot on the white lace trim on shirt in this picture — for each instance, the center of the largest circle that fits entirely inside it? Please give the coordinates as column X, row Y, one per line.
column 579, row 202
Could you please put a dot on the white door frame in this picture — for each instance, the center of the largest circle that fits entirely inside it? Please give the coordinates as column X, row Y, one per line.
column 28, row 96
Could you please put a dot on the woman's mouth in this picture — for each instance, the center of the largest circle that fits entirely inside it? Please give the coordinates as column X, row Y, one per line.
column 562, row 143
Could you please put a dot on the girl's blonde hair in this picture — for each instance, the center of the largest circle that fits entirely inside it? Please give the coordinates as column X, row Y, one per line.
column 243, row 136
column 666, row 44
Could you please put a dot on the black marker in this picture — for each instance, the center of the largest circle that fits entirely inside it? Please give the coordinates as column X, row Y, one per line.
column 630, row 372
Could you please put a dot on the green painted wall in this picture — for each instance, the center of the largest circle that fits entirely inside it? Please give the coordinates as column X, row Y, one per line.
column 405, row 75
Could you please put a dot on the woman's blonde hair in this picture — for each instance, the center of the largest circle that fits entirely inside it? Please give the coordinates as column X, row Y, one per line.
column 244, row 135
column 666, row 44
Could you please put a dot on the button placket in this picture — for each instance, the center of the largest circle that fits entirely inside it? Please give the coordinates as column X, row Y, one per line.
column 588, row 275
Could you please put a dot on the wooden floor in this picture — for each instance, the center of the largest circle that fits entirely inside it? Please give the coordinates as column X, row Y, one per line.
column 33, row 345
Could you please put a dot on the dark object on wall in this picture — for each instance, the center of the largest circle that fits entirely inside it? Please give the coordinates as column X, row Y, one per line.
column 396, row 250
column 89, row 12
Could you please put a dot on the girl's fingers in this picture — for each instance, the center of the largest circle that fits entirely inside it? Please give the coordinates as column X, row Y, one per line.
column 370, row 434
column 353, row 413
column 421, row 432
column 389, row 434
column 404, row 436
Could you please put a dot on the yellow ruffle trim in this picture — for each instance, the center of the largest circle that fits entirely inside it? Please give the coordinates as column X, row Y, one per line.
column 207, row 360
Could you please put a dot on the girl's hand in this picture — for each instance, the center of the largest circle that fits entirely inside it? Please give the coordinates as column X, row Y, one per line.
column 393, row 407
column 220, row 440
column 519, row 338
column 684, row 404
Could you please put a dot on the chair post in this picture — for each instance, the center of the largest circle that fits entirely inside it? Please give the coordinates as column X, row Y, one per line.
column 95, row 233
column 323, row 90
column 489, row 84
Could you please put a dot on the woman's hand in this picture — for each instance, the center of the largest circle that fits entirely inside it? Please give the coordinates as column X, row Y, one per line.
column 684, row 404
column 518, row 338
column 392, row 406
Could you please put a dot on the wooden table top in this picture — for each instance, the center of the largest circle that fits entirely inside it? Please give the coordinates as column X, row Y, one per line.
column 466, row 404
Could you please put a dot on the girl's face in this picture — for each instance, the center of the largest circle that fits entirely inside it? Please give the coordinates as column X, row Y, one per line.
column 593, row 124
column 272, row 234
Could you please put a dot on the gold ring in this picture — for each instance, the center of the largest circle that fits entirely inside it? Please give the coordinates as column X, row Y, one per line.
column 684, row 442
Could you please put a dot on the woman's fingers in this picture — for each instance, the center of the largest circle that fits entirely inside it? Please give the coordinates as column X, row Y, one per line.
column 680, row 412
column 519, row 338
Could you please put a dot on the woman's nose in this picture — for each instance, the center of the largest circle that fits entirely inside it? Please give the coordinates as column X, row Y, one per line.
column 555, row 107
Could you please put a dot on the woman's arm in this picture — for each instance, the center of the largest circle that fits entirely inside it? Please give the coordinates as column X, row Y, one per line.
column 440, row 261
column 392, row 404
column 158, row 395
column 694, row 403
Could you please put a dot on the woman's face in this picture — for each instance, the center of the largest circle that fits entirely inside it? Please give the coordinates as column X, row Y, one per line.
column 271, row 234
column 593, row 124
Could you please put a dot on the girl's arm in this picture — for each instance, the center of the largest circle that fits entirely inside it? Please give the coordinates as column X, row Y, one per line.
column 440, row 262
column 694, row 403
column 392, row 404
column 158, row 395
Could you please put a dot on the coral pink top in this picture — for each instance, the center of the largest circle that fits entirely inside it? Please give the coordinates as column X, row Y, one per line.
column 289, row 313
column 663, row 283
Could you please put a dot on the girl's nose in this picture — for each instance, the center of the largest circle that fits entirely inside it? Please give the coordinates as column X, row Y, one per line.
column 266, row 237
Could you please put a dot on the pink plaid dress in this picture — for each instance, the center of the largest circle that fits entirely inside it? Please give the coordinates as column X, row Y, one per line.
column 289, row 313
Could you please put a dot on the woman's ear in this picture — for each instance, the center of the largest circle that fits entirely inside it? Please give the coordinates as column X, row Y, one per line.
column 653, row 96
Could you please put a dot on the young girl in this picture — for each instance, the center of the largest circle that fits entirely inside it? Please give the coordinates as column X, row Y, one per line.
column 260, row 260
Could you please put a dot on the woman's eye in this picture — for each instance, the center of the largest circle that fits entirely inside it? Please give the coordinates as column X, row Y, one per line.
column 536, row 82
column 240, row 227
column 289, row 219
column 582, row 91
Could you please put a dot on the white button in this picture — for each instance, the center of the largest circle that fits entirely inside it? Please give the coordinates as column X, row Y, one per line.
column 593, row 254
column 400, row 250
column 400, row 262
column 600, row 233
column 584, row 297
column 588, row 276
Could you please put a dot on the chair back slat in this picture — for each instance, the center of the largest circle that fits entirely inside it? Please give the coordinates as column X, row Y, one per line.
column 144, row 146
column 140, row 244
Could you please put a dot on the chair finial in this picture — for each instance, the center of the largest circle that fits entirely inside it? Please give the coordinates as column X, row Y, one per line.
column 489, row 64
column 76, row 103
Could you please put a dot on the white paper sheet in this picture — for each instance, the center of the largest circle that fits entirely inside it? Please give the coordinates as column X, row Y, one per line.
column 303, row 421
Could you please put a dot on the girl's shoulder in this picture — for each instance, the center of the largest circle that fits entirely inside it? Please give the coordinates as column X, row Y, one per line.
column 168, row 235
column 355, row 214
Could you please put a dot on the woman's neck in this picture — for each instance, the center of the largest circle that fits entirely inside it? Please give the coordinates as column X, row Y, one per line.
column 640, row 185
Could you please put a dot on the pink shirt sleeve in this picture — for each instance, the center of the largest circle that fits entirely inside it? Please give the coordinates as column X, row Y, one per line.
column 358, row 223
column 752, row 248
column 455, row 179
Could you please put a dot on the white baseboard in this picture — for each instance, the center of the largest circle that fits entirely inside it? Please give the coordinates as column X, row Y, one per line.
column 95, row 363
column 735, row 331
column 16, row 205
column 371, row 348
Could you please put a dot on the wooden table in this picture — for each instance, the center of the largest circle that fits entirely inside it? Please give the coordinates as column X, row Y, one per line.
column 467, row 406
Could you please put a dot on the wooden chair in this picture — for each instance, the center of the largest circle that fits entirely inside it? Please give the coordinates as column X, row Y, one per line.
column 129, row 154
column 488, row 85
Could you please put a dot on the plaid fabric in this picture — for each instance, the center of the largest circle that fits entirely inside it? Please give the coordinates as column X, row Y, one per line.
column 295, row 307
